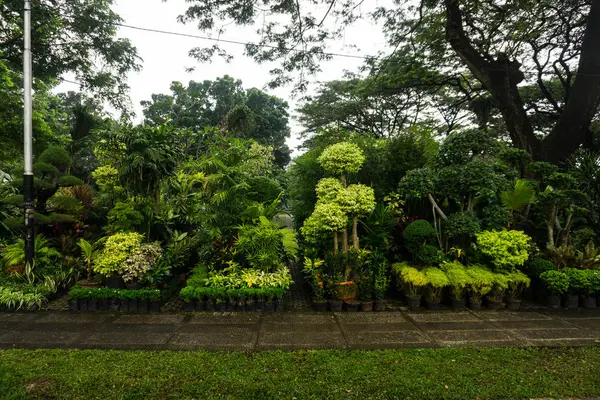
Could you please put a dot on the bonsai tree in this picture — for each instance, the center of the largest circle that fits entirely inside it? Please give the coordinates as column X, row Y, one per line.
column 505, row 249
column 517, row 283
column 361, row 202
column 340, row 159
column 327, row 217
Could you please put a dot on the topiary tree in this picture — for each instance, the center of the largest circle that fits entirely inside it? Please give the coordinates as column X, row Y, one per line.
column 417, row 234
column 361, row 202
column 342, row 158
column 327, row 217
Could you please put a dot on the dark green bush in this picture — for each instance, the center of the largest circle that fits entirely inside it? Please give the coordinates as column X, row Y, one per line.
column 537, row 266
column 108, row 294
column 430, row 255
column 57, row 156
column 417, row 234
column 462, row 223
column 557, row 282
column 579, row 281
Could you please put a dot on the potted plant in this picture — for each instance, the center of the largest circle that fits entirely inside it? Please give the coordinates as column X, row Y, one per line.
column 557, row 284
column 364, row 286
column 211, row 299
column 74, row 296
column 154, row 299
column 220, row 299
column 92, row 296
column 578, row 284
column 132, row 300
column 335, row 303
column 459, row 281
column 269, row 294
column 112, row 257
column 436, row 282
column 279, row 294
column 199, row 298
column 188, row 294
column 517, row 283
column 411, row 281
column 481, row 283
column 87, row 251
column 231, row 299
column 495, row 297
column 588, row 300
column 138, row 263
column 313, row 271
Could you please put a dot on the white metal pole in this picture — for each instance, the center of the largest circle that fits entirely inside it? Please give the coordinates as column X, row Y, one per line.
column 27, row 136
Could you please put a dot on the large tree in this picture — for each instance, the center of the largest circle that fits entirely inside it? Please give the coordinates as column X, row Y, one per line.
column 501, row 44
column 224, row 102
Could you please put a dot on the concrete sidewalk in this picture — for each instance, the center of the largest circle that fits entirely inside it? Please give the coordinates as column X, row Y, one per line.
column 291, row 331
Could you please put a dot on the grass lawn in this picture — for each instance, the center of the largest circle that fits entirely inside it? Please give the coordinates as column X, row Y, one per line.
column 386, row 374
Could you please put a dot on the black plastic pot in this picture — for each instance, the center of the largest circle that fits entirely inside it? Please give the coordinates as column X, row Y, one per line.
column 513, row 304
column 82, row 304
column 240, row 306
column 143, row 306
column 413, row 302
column 379, row 305
column 132, row 305
column 221, row 307
column 279, row 306
column 124, row 305
column 259, row 305
column 572, row 301
column 319, row 305
column 351, row 305
column 458, row 304
column 230, row 305
column 73, row 305
column 200, row 305
column 92, row 305
column 475, row 304
column 432, row 305
column 114, row 282
column 494, row 303
column 189, row 306
column 336, row 305
column 588, row 301
column 209, row 305
column 553, row 301
column 366, row 306
column 114, row 305
column 103, row 305
column 269, row 306
column 155, row 306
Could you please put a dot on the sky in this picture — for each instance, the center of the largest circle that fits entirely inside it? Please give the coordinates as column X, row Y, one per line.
column 165, row 57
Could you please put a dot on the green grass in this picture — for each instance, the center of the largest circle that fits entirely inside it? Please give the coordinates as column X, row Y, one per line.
column 386, row 374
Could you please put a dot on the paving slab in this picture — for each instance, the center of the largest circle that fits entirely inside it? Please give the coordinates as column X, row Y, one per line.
column 244, row 340
column 570, row 333
column 18, row 317
column 216, row 328
column 74, row 318
column 394, row 339
column 61, row 327
column 470, row 336
column 126, row 338
column 224, row 318
column 149, row 319
column 456, row 326
column 589, row 324
column 372, row 318
column 511, row 316
column 534, row 324
column 442, row 316
column 283, row 318
column 300, row 340
column 379, row 327
column 39, row 337
column 300, row 327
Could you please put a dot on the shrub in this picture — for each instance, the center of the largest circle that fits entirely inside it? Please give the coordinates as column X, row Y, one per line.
column 140, row 261
column 77, row 292
column 380, row 279
column 116, row 250
column 506, row 249
column 410, row 279
column 430, row 255
column 417, row 234
column 57, row 156
column 463, row 223
column 341, row 158
column 536, row 266
column 458, row 279
column 557, row 282
column 482, row 281
column 517, row 283
column 436, row 282
column 594, row 282
column 124, row 218
column 579, row 280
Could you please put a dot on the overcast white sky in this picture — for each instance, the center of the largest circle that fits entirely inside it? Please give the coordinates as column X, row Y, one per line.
column 165, row 57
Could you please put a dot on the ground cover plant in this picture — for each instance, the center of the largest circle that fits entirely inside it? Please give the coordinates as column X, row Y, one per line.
column 408, row 374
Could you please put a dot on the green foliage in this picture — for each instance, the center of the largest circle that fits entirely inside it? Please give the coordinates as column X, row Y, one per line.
column 45, row 255
column 417, row 234
column 87, row 250
column 327, row 217
column 506, row 249
column 462, row 223
column 341, row 158
column 436, row 281
column 410, row 279
column 381, row 281
column 458, row 279
column 517, row 283
column 123, row 217
column 519, row 197
column 77, row 293
column 56, row 156
column 330, row 190
column 139, row 262
column 579, row 280
column 429, row 255
column 117, row 249
column 68, row 180
column 536, row 266
column 359, row 200
column 482, row 281
column 417, row 184
column 557, row 282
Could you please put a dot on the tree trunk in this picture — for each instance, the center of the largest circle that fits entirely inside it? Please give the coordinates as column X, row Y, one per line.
column 345, row 240
column 355, row 232
column 335, row 242
column 501, row 77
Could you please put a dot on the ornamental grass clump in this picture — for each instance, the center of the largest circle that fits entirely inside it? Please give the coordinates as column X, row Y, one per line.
column 517, row 283
column 505, row 249
column 436, row 282
column 458, row 279
column 410, row 279
column 482, row 282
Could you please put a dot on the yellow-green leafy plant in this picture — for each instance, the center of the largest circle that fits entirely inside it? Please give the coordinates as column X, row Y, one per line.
column 436, row 282
column 499, row 287
column 360, row 202
column 458, row 279
column 505, row 249
column 342, row 158
column 327, row 217
column 482, row 282
column 117, row 249
column 517, row 283
column 410, row 279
